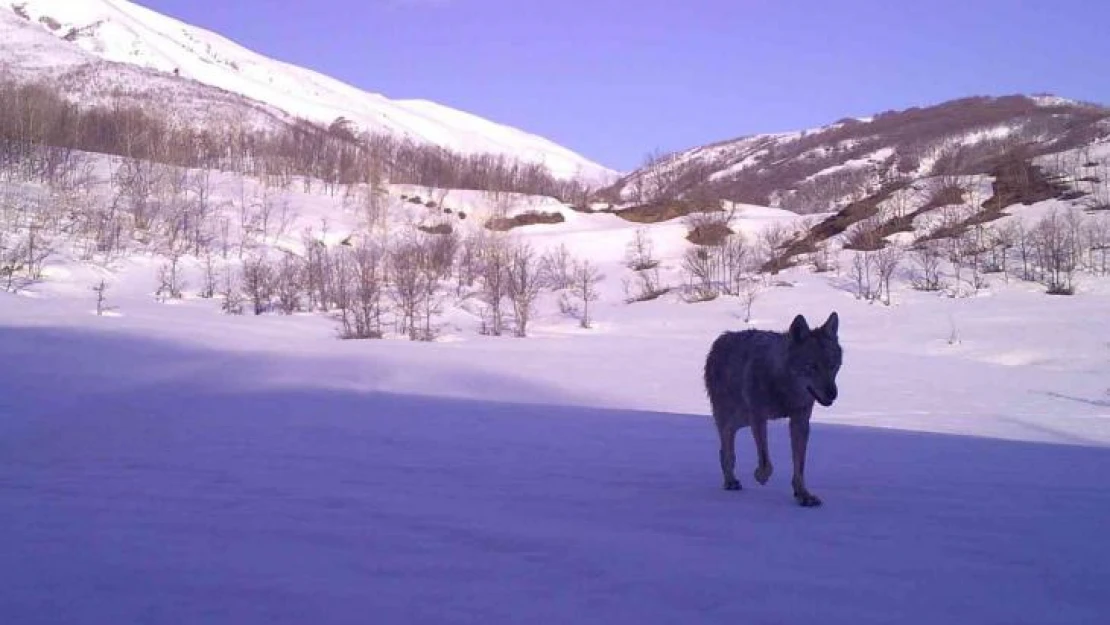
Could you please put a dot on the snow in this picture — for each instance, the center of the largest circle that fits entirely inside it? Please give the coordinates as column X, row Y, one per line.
column 124, row 32
column 168, row 463
column 200, row 468
column 866, row 161
column 987, row 134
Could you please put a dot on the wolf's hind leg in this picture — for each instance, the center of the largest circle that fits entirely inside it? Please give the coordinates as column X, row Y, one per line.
column 727, row 431
column 763, row 469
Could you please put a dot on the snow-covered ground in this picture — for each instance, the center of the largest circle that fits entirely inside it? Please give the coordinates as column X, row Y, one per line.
column 169, row 464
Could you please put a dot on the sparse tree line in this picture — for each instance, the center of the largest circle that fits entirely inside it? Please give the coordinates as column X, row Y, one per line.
column 41, row 134
column 403, row 285
column 1050, row 250
column 726, row 265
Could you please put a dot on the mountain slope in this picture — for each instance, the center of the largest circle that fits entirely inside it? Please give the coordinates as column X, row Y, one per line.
column 825, row 168
column 118, row 31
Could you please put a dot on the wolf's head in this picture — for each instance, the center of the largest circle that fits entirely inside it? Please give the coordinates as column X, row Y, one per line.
column 813, row 358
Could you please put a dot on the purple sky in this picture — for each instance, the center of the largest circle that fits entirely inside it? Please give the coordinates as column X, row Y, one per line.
column 615, row 79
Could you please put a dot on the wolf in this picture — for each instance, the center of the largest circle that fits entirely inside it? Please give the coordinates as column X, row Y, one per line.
column 753, row 376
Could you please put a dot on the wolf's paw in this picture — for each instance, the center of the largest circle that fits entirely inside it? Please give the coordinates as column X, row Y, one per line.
column 807, row 500
column 732, row 484
column 762, row 474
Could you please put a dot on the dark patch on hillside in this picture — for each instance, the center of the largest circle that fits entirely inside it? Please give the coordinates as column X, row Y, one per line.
column 439, row 229
column 832, row 226
column 503, row 224
column 711, row 234
column 657, row 212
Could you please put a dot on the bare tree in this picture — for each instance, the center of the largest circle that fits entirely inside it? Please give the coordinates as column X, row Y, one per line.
column 524, row 282
column 1098, row 243
column 887, row 261
column 1056, row 250
column 210, row 284
column 1023, row 239
column 1001, row 240
column 927, row 258
column 469, row 263
column 749, row 293
column 736, row 262
column 438, row 258
column 495, row 258
column 862, row 272
column 360, row 276
column 407, row 285
column 585, row 278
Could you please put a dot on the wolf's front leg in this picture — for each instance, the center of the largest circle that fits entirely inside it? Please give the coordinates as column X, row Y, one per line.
column 799, row 439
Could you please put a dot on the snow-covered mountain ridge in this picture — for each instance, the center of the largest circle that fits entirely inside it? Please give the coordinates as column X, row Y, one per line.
column 825, row 168
column 92, row 32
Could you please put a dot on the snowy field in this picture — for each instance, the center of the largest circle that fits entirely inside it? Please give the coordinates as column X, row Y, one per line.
column 170, row 464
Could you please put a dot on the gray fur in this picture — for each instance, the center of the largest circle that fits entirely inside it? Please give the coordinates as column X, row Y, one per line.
column 755, row 376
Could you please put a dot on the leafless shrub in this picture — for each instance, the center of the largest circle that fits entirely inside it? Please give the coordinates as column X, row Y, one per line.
column 824, row 259
column 231, row 296
column 289, row 284
column 557, row 267
column 864, row 234
column 442, row 251
column 258, row 283
column 101, row 290
column 701, row 266
column 645, row 286
column 171, row 284
column 640, row 251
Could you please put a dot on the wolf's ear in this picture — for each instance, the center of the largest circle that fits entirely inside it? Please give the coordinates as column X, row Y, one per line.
column 799, row 329
column 832, row 324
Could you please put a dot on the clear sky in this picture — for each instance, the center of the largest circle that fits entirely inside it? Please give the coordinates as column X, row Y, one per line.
column 615, row 79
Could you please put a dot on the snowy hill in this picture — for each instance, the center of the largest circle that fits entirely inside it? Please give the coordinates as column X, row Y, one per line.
column 96, row 37
column 822, row 169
